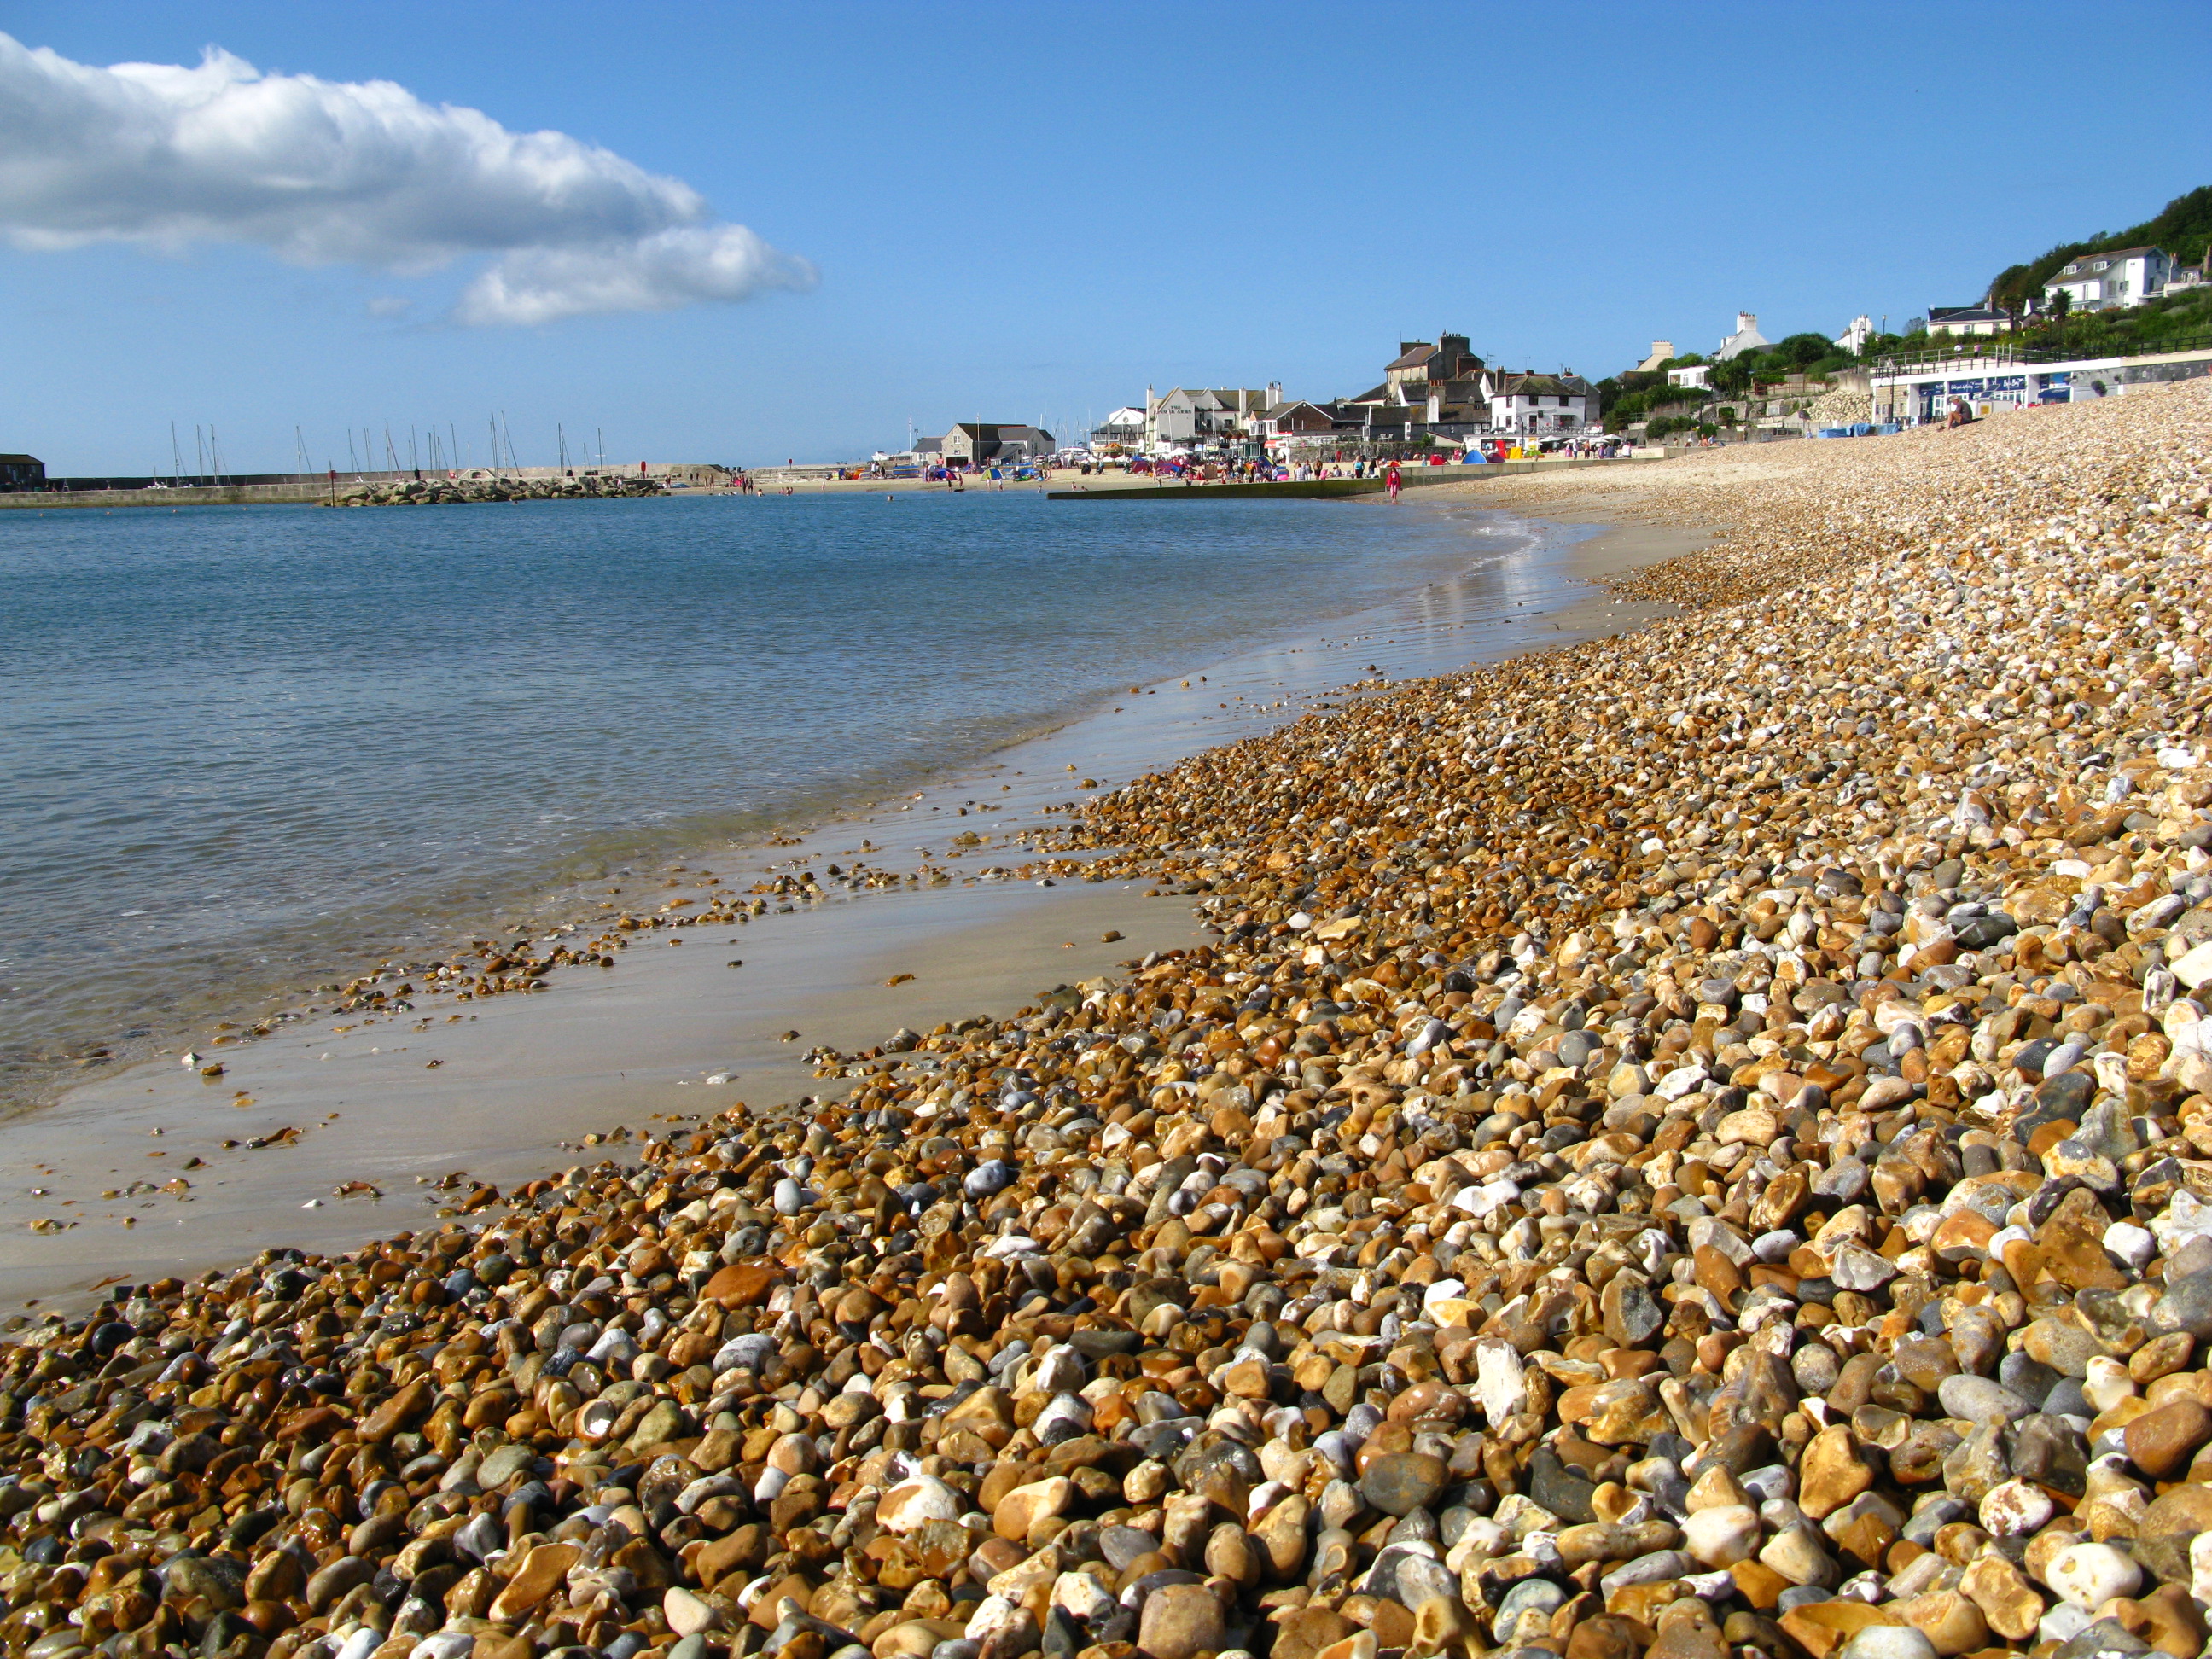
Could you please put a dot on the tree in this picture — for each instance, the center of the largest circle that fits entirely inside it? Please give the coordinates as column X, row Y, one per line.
column 2183, row 227
column 1735, row 374
column 1801, row 350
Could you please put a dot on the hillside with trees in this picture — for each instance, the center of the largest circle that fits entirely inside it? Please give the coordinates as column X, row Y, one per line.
column 2184, row 229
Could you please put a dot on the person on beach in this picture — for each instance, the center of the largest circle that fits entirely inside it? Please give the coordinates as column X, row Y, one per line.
column 1391, row 478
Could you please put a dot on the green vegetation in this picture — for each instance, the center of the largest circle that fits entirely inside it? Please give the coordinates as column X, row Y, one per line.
column 1637, row 395
column 2161, row 323
column 1633, row 394
column 1811, row 354
column 2184, row 229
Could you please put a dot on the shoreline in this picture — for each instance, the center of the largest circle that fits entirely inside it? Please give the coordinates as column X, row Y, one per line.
column 1618, row 1076
column 659, row 1014
column 71, row 1000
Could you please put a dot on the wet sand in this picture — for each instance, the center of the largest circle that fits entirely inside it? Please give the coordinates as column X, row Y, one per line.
column 517, row 1076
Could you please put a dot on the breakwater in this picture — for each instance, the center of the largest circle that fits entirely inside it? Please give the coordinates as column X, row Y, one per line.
column 456, row 492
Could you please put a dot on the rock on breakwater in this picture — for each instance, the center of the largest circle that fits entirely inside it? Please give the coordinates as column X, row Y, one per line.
column 448, row 492
column 1687, row 1143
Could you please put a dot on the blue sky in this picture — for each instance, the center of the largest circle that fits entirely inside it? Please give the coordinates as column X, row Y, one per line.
column 1037, row 213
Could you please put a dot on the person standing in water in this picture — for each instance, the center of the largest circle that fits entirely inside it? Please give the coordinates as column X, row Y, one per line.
column 1391, row 478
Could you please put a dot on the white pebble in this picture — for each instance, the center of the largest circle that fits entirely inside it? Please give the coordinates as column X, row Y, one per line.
column 2090, row 1575
column 2132, row 1244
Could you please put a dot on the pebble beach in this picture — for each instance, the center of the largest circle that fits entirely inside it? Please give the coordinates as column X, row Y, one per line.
column 1695, row 1144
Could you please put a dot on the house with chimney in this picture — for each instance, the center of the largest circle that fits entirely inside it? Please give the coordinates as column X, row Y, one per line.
column 1429, row 383
column 1746, row 337
column 1539, row 405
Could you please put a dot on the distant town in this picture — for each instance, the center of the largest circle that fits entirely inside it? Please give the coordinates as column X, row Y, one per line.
column 2086, row 320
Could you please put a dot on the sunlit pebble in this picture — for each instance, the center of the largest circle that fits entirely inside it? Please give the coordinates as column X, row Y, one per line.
column 1371, row 1225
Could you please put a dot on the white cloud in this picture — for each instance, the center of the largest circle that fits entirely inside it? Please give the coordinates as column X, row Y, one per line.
column 680, row 266
column 322, row 171
column 390, row 305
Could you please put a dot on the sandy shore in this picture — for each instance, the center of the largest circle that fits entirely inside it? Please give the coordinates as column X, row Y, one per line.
column 506, row 1088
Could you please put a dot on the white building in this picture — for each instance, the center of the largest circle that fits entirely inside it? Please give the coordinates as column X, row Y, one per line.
column 2000, row 382
column 1533, row 405
column 1122, row 431
column 1854, row 338
column 1196, row 418
column 1967, row 321
column 2105, row 282
column 1698, row 375
column 1746, row 337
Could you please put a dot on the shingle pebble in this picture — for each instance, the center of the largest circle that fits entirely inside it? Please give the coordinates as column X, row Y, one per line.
column 1691, row 1145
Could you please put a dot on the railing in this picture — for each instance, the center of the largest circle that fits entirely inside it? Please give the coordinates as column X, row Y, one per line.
column 2014, row 355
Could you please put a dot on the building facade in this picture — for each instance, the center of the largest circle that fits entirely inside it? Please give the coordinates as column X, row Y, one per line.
column 2000, row 383
column 1122, row 433
column 1533, row 405
column 1967, row 321
column 977, row 443
column 22, row 472
column 2107, row 281
column 1196, row 419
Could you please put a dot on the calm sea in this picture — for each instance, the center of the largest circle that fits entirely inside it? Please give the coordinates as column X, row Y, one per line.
column 245, row 750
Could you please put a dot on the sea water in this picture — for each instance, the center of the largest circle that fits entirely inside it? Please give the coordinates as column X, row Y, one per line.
column 246, row 752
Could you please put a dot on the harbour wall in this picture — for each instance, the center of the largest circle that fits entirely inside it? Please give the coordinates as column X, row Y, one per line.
column 315, row 489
